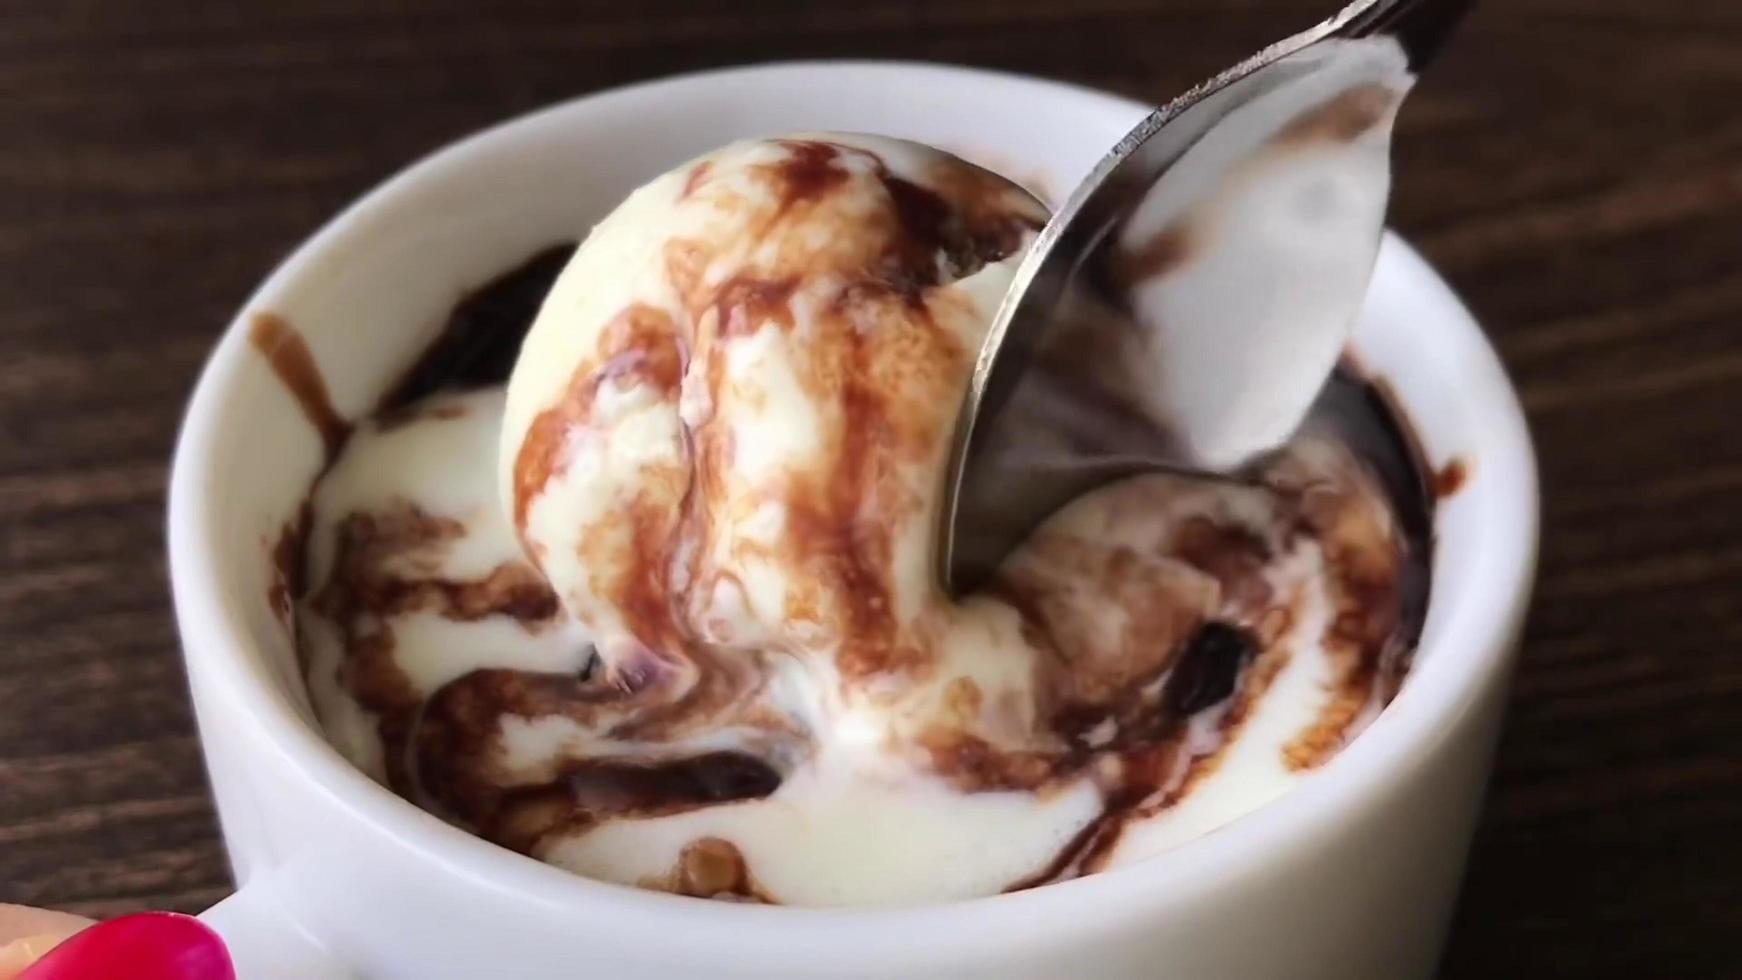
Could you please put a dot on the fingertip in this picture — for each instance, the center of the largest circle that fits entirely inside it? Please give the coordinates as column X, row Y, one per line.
column 25, row 950
column 21, row 922
column 148, row 946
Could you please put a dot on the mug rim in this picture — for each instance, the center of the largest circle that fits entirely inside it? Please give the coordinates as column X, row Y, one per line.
column 214, row 630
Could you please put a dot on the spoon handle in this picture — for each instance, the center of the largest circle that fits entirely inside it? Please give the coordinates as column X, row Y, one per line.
column 1421, row 26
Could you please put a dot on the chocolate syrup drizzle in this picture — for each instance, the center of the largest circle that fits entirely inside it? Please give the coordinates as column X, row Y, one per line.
column 478, row 346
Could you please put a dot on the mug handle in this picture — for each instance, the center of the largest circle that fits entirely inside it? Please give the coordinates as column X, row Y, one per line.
column 263, row 938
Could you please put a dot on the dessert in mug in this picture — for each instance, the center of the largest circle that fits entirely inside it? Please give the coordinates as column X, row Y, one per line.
column 647, row 589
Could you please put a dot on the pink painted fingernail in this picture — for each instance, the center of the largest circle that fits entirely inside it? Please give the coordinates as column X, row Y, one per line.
column 149, row 946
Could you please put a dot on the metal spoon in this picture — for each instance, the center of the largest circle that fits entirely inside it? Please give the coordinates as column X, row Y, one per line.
column 1187, row 303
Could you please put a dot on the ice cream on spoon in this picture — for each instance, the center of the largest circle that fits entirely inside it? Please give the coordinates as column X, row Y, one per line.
column 1184, row 307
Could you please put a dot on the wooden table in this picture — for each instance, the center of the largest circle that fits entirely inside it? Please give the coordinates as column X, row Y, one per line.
column 1574, row 166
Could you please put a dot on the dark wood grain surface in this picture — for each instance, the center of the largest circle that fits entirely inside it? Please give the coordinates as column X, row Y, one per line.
column 1574, row 166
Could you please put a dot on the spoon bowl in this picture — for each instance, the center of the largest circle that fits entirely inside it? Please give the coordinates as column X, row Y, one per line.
column 1184, row 307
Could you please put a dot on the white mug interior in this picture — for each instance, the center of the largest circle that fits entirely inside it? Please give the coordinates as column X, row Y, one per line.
column 374, row 286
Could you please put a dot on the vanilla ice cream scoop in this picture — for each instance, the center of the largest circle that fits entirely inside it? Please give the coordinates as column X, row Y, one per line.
column 726, row 426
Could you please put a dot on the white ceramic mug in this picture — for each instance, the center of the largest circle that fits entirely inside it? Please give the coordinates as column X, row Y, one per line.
column 1351, row 875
